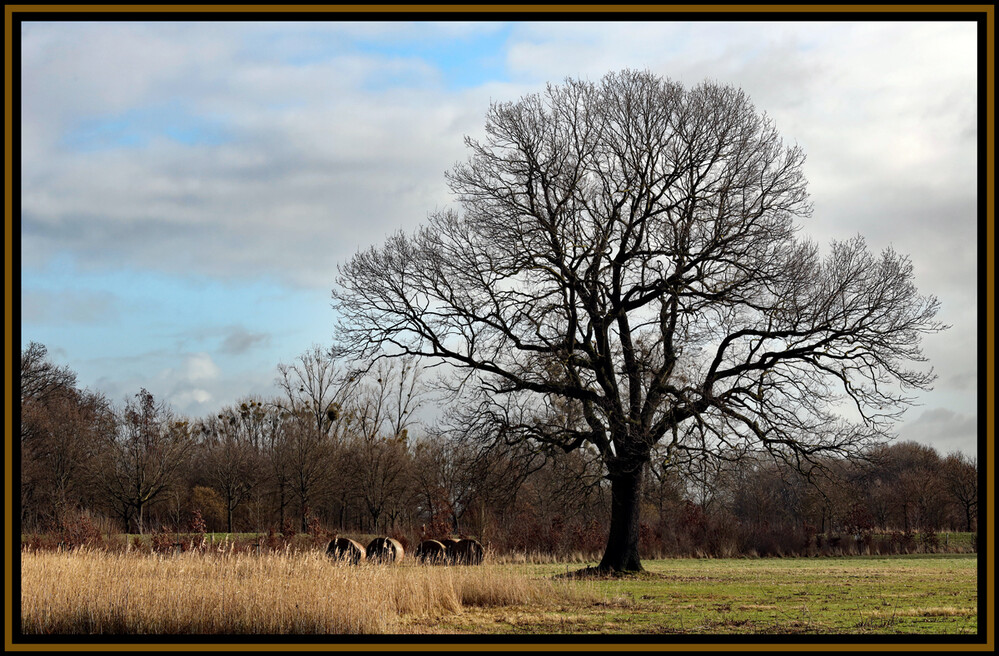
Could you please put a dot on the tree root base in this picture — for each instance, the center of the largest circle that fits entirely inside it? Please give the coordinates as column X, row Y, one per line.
column 597, row 573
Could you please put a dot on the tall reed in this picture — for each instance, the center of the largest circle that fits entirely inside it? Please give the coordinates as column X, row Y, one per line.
column 223, row 592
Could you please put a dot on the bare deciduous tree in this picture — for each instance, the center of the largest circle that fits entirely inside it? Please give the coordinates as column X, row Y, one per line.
column 317, row 389
column 40, row 377
column 628, row 248
column 233, row 447
column 382, row 414
column 960, row 475
column 463, row 466
column 144, row 456
column 316, row 386
column 60, row 435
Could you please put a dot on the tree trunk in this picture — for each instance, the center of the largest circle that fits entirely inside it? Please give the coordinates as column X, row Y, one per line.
column 621, row 554
column 281, row 504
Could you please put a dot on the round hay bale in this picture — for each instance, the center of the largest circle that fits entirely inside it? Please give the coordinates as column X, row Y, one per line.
column 468, row 552
column 431, row 551
column 346, row 550
column 385, row 550
column 449, row 545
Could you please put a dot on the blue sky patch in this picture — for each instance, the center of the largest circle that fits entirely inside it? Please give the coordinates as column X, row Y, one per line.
column 232, row 321
column 136, row 128
column 463, row 62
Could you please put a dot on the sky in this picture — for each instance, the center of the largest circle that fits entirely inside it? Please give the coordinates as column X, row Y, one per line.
column 189, row 187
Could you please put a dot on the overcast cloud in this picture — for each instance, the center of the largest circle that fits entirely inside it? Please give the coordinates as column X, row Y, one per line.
column 188, row 188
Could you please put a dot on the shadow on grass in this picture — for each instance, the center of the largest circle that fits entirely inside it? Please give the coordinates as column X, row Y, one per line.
column 597, row 574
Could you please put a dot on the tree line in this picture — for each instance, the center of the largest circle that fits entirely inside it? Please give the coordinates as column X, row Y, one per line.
column 341, row 448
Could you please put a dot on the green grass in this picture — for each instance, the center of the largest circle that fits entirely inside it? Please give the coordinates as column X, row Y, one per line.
column 891, row 595
column 962, row 541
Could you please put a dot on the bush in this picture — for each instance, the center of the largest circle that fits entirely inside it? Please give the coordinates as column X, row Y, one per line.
column 210, row 506
column 901, row 542
column 319, row 535
column 78, row 530
column 140, row 545
column 163, row 541
column 274, row 540
column 288, row 530
column 929, row 540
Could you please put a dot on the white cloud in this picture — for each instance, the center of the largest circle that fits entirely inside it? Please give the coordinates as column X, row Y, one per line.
column 945, row 430
column 323, row 155
column 194, row 396
column 199, row 367
column 319, row 164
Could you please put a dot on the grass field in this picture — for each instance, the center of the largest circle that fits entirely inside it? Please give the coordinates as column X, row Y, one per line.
column 913, row 594
column 95, row 592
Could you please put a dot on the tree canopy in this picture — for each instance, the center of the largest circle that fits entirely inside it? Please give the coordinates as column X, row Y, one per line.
column 624, row 270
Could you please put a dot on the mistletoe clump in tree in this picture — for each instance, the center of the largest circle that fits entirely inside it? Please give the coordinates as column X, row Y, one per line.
column 623, row 274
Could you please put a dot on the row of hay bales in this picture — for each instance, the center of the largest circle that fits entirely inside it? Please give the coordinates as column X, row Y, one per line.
column 388, row 550
column 450, row 552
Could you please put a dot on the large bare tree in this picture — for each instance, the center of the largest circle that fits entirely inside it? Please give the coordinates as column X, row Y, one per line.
column 624, row 270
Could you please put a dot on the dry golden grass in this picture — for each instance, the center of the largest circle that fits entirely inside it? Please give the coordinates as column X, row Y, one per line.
column 97, row 592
